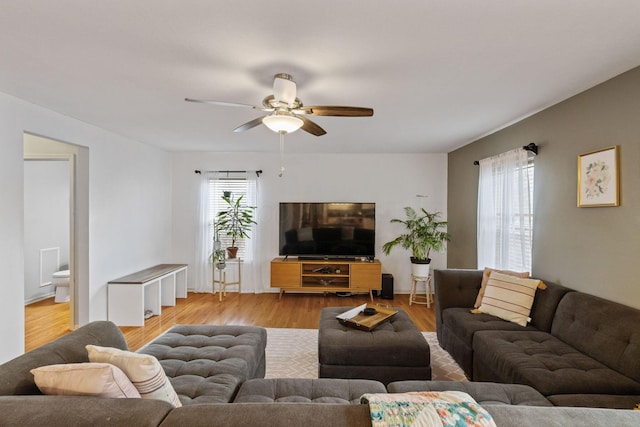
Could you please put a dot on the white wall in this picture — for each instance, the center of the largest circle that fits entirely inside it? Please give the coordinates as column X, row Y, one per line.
column 46, row 221
column 392, row 181
column 130, row 209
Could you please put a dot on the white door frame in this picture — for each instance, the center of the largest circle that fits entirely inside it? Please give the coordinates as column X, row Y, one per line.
column 78, row 158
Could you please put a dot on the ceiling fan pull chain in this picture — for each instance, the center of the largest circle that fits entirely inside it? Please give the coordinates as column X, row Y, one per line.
column 281, row 153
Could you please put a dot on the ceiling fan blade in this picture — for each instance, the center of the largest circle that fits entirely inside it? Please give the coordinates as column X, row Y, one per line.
column 332, row 110
column 253, row 123
column 227, row 104
column 312, row 127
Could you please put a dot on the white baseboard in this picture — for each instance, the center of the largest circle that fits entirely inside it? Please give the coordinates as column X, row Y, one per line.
column 39, row 298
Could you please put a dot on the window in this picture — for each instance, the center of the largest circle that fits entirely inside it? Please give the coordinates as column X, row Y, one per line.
column 505, row 211
column 238, row 187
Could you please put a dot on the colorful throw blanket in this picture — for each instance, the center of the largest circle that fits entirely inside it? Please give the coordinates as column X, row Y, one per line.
column 426, row 409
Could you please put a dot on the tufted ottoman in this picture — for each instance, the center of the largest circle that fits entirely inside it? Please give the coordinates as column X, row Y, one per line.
column 207, row 364
column 394, row 351
column 303, row 390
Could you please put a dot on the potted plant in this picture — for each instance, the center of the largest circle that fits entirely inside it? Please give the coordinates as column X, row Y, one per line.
column 219, row 258
column 235, row 221
column 423, row 233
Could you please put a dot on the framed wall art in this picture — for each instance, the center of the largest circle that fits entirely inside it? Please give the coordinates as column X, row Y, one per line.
column 598, row 178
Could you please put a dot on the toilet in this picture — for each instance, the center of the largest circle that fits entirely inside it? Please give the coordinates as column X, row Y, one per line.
column 60, row 280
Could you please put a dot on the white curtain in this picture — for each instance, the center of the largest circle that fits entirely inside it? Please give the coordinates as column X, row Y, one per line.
column 505, row 211
column 252, row 272
column 202, row 274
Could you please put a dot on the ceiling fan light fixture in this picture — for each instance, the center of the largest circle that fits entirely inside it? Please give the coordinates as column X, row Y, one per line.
column 282, row 121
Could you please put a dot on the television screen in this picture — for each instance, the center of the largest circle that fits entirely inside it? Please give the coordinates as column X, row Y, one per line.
column 327, row 229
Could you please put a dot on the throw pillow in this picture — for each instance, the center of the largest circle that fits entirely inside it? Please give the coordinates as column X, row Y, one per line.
column 485, row 278
column 86, row 379
column 144, row 371
column 509, row 298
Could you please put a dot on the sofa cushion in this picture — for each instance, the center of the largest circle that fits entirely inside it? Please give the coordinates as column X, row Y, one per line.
column 482, row 392
column 84, row 379
column 509, row 298
column 299, row 390
column 545, row 363
column 143, row 370
column 613, row 401
column 606, row 331
column 207, row 364
column 270, row 415
column 466, row 324
column 458, row 327
column 528, row 416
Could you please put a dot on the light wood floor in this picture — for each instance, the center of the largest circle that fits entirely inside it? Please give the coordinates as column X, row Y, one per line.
column 46, row 321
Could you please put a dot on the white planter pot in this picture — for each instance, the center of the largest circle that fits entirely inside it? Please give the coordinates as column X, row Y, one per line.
column 420, row 270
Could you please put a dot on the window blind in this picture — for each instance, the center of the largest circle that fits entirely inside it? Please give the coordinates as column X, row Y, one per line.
column 238, row 187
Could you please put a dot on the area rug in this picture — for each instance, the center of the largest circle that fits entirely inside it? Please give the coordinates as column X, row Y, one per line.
column 293, row 353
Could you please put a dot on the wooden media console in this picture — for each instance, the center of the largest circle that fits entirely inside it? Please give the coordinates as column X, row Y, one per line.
column 294, row 275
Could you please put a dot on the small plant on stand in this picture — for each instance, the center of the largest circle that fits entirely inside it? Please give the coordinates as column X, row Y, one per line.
column 219, row 257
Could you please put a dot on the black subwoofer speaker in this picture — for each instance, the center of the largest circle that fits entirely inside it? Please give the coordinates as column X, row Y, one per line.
column 387, row 286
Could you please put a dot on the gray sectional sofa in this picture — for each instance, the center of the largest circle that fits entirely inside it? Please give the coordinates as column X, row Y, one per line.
column 578, row 350
column 204, row 365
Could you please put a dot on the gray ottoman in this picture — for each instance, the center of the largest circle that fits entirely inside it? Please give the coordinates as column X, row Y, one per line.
column 207, row 364
column 483, row 393
column 394, row 351
column 302, row 390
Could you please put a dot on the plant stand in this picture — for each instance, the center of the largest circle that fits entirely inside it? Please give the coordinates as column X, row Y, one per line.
column 414, row 297
column 222, row 278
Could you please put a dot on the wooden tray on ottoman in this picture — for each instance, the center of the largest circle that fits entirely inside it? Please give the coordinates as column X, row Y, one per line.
column 356, row 318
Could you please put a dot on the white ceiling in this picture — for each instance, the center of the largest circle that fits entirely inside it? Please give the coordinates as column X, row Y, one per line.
column 439, row 74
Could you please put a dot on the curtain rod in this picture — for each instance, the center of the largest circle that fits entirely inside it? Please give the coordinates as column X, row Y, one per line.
column 258, row 172
column 529, row 147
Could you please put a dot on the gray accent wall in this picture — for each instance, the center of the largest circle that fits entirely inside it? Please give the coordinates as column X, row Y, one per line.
column 594, row 250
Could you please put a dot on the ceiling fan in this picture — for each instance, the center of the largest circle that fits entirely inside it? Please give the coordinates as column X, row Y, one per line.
column 288, row 111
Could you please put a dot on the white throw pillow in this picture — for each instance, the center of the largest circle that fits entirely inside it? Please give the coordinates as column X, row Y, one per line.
column 485, row 278
column 84, row 379
column 509, row 298
column 143, row 370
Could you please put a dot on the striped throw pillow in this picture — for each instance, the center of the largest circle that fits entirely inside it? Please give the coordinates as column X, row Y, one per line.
column 485, row 278
column 143, row 370
column 509, row 298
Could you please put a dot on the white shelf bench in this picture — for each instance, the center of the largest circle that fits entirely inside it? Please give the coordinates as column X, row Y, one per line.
column 150, row 289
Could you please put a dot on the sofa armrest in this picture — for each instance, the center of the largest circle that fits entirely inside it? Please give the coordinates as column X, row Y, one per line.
column 16, row 377
column 455, row 288
column 64, row 411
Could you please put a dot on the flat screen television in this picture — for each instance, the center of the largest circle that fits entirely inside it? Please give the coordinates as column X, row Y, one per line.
column 327, row 230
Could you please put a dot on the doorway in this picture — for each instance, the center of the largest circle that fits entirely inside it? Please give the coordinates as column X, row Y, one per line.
column 46, row 151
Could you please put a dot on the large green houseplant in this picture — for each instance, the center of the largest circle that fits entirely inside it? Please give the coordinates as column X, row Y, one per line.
column 235, row 221
column 424, row 232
